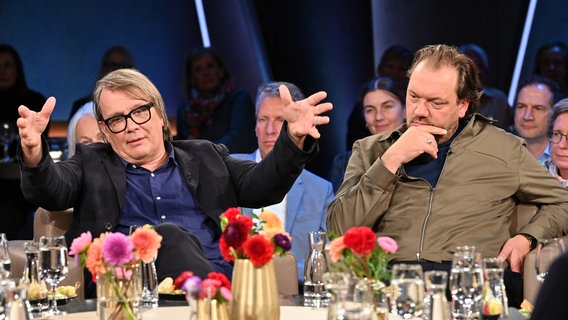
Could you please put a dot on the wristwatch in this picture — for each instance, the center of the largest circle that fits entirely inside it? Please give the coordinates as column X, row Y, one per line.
column 532, row 240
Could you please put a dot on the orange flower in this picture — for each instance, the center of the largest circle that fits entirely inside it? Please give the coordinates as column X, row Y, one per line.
column 336, row 248
column 271, row 220
column 94, row 261
column 146, row 242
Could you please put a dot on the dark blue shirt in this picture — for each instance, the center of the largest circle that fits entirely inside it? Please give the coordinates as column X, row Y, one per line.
column 162, row 196
column 426, row 167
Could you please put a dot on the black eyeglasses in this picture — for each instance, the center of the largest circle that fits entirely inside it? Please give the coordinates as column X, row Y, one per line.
column 139, row 115
column 556, row 136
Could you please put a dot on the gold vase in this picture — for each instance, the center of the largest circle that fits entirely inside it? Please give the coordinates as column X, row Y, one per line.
column 211, row 309
column 255, row 295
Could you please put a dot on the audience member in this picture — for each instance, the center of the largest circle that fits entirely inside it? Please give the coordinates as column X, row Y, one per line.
column 552, row 62
column 394, row 63
column 535, row 99
column 83, row 128
column 304, row 208
column 557, row 130
column 447, row 177
column 493, row 103
column 216, row 110
column 139, row 176
column 14, row 91
column 116, row 57
column 382, row 105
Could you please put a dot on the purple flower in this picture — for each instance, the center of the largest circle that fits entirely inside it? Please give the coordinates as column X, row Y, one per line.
column 192, row 285
column 283, row 242
column 117, row 249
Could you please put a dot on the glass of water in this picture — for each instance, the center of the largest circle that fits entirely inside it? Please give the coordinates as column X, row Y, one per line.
column 5, row 261
column 53, row 265
column 407, row 284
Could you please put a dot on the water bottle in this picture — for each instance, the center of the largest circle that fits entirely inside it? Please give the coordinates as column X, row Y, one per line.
column 315, row 294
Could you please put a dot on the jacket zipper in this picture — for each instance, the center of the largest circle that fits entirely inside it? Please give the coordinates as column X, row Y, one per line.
column 423, row 232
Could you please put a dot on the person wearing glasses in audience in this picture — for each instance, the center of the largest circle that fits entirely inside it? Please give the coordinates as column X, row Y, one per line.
column 141, row 176
column 557, row 135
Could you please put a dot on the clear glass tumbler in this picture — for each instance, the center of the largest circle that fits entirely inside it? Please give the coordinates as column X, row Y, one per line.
column 407, row 282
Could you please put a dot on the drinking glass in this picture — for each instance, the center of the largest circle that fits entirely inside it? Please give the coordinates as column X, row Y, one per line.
column 316, row 265
column 436, row 304
column 407, row 284
column 149, row 281
column 5, row 261
column 337, row 284
column 495, row 305
column 355, row 303
column 466, row 283
column 53, row 265
column 547, row 251
column 37, row 290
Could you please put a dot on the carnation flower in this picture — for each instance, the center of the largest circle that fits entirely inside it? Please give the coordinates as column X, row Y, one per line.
column 236, row 233
column 387, row 244
column 117, row 249
column 231, row 214
column 271, row 220
column 259, row 250
column 181, row 279
column 336, row 248
column 221, row 277
column 283, row 242
column 146, row 241
column 225, row 250
column 360, row 239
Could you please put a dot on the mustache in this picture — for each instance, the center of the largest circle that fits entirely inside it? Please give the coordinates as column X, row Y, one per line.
column 421, row 120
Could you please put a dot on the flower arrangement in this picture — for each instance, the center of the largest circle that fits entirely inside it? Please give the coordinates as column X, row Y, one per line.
column 216, row 286
column 257, row 238
column 113, row 258
column 362, row 252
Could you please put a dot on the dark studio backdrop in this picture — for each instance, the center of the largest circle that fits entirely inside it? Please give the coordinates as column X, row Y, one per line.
column 331, row 45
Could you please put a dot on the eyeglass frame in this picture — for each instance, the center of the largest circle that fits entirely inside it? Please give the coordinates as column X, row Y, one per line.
column 146, row 106
column 550, row 137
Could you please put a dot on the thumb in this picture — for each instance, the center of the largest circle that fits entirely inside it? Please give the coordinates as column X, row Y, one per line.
column 48, row 107
column 285, row 95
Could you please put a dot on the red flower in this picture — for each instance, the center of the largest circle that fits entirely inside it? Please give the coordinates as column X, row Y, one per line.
column 225, row 250
column 361, row 240
column 181, row 279
column 231, row 214
column 225, row 283
column 259, row 250
column 236, row 232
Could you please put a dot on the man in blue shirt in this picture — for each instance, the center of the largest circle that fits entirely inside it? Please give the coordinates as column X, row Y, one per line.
column 140, row 176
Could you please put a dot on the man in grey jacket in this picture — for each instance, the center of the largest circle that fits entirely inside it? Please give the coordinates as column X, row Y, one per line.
column 447, row 177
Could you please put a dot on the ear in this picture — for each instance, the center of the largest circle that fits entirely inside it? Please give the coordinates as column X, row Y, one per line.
column 462, row 107
column 104, row 130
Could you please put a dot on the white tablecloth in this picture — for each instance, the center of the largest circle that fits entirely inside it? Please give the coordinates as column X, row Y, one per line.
column 182, row 313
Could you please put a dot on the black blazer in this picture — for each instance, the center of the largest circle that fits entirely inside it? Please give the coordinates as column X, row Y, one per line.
column 93, row 181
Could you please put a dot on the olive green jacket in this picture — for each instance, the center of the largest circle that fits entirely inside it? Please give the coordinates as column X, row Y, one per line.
column 486, row 173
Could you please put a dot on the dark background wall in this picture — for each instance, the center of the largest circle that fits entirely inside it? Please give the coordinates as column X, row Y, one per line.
column 330, row 45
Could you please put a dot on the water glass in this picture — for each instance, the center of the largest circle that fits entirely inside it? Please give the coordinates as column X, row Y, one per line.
column 495, row 304
column 37, row 290
column 5, row 261
column 337, row 284
column 53, row 265
column 316, row 265
column 436, row 305
column 466, row 283
column 356, row 303
column 547, row 251
column 407, row 284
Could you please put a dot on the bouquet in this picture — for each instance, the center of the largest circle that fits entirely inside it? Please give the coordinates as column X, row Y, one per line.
column 115, row 257
column 363, row 253
column 216, row 286
column 257, row 238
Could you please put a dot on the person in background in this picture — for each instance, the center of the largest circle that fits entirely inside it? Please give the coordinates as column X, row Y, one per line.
column 551, row 61
column 382, row 102
column 83, row 128
column 394, row 63
column 493, row 103
column 140, row 176
column 448, row 177
column 535, row 99
column 304, row 207
column 14, row 91
column 116, row 57
column 216, row 109
column 557, row 135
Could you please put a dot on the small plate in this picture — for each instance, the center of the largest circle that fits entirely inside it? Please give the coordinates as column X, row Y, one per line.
column 171, row 296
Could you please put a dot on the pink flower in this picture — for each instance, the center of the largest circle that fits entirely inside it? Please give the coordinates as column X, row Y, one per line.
column 336, row 248
column 226, row 293
column 123, row 273
column 388, row 244
column 117, row 249
column 192, row 285
column 81, row 243
column 209, row 288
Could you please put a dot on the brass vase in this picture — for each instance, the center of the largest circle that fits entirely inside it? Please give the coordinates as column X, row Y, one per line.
column 211, row 309
column 255, row 295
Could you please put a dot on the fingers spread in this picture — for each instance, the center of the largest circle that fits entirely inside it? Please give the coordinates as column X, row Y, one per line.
column 316, row 97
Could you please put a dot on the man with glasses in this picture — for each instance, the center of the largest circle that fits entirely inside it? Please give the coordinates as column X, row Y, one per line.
column 140, row 176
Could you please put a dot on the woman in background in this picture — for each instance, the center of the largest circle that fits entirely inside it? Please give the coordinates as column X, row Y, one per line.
column 216, row 109
column 382, row 102
column 83, row 128
column 557, row 134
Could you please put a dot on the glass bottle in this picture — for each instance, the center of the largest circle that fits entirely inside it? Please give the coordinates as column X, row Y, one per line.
column 315, row 294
